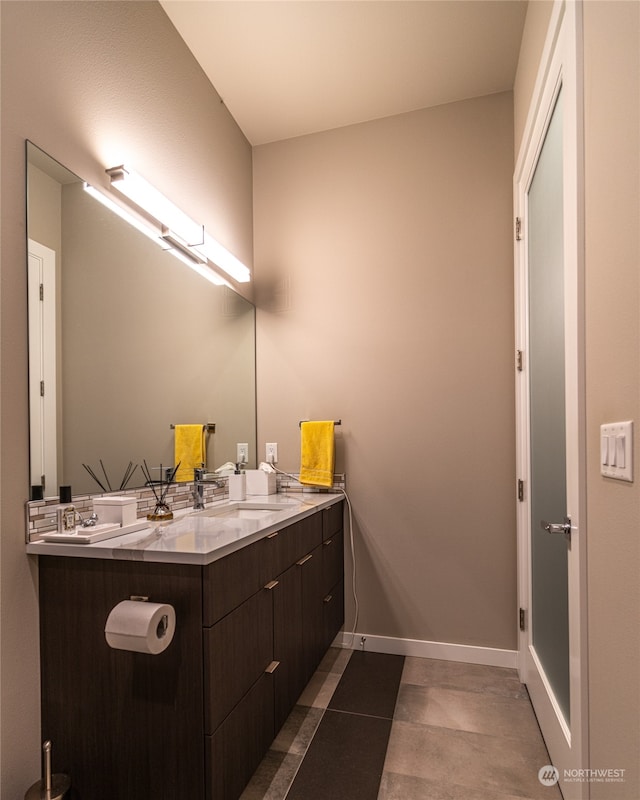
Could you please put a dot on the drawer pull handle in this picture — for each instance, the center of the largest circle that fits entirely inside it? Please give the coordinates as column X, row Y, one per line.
column 327, row 542
column 328, row 598
column 304, row 560
column 273, row 666
column 273, row 535
column 272, row 585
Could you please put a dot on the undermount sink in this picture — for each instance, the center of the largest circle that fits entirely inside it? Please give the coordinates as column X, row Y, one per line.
column 244, row 510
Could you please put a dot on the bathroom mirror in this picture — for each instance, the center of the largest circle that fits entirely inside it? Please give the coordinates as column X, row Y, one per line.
column 125, row 341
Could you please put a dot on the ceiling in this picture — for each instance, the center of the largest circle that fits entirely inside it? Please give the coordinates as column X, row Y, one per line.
column 285, row 68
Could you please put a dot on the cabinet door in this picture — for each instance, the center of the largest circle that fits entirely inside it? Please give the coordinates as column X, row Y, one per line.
column 332, row 562
column 312, row 614
column 332, row 520
column 287, row 642
column 332, row 614
column 237, row 650
column 236, row 748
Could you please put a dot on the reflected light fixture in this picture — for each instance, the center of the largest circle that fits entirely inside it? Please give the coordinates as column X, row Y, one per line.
column 154, row 235
column 182, row 234
column 199, row 267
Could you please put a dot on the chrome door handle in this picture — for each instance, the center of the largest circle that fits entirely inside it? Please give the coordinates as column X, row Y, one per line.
column 555, row 527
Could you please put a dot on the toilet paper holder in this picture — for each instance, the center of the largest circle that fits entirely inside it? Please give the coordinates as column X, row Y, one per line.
column 151, row 631
column 163, row 625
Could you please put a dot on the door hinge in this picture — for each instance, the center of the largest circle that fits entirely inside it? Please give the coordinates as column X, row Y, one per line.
column 42, row 291
column 523, row 622
column 518, row 229
column 520, row 489
column 41, row 388
column 519, row 360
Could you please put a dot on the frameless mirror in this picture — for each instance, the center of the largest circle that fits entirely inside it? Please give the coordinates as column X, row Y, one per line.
column 125, row 341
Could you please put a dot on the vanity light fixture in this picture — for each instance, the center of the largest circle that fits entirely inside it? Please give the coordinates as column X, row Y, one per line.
column 156, row 205
column 150, row 233
column 219, row 255
column 179, row 231
column 177, row 244
column 162, row 238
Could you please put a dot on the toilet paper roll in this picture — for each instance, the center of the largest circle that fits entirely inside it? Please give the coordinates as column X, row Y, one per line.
column 140, row 626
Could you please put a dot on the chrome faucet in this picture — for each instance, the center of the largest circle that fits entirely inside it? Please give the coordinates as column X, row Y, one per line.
column 199, row 482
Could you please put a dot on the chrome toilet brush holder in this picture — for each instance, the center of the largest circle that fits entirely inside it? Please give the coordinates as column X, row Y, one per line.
column 50, row 787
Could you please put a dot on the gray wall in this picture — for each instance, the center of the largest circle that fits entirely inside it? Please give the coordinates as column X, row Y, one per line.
column 93, row 84
column 612, row 257
column 385, row 298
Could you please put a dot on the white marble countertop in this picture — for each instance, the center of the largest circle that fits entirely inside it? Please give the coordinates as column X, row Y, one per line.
column 199, row 537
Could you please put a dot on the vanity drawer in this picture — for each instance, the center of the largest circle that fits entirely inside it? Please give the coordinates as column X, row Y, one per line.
column 289, row 545
column 237, row 650
column 332, row 520
column 234, row 751
column 228, row 582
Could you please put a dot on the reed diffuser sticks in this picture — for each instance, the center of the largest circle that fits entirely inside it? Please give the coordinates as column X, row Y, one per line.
column 162, row 512
column 128, row 474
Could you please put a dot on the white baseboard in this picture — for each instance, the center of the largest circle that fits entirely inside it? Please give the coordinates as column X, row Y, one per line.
column 467, row 654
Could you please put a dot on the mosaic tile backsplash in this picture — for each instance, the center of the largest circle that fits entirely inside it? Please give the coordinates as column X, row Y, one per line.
column 41, row 514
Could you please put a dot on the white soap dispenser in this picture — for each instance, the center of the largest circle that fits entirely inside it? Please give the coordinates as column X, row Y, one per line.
column 237, row 485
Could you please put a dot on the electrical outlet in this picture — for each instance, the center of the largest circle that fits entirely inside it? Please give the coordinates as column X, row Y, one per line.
column 242, row 452
column 271, row 450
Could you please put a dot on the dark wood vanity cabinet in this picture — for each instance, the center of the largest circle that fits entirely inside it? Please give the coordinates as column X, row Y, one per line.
column 191, row 723
column 123, row 725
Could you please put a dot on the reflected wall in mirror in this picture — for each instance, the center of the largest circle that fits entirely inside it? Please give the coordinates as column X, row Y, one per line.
column 124, row 342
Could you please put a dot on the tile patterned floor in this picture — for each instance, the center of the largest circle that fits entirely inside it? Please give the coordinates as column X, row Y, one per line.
column 371, row 726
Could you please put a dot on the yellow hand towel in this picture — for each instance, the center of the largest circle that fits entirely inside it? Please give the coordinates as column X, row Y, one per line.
column 190, row 450
column 317, row 453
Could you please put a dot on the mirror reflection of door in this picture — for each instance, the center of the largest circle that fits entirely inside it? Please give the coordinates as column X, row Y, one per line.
column 42, row 365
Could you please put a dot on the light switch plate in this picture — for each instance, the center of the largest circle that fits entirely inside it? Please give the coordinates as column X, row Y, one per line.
column 616, row 450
